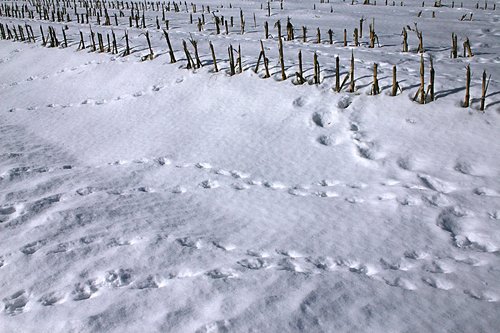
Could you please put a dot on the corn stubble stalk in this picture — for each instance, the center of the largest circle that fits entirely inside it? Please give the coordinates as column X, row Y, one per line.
column 395, row 83
column 109, row 44
column 151, row 55
column 196, row 55
column 430, row 88
column 93, row 40
column 337, row 74
column 373, row 35
column 375, row 87
column 54, row 42
column 421, row 90
column 352, row 86
column 484, row 90
column 266, row 61
column 170, row 49
column 44, row 42
column 200, row 25
column 64, row 37
column 467, row 87
column 217, row 24
column 101, row 44
column 361, row 27
column 231, row 60
column 189, row 59
column 212, row 50
column 240, row 65
column 420, row 42
column 81, row 46
column 454, row 46
column 316, row 69
column 242, row 22
column 21, row 32
column 280, row 44
column 467, row 48
column 115, row 47
column 405, row 40
column 2, row 31
column 289, row 30
column 300, row 73
column 30, row 30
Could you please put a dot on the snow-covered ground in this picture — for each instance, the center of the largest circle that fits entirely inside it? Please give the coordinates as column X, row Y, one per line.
column 140, row 196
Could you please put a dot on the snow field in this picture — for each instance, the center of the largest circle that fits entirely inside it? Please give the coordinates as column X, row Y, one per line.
column 139, row 195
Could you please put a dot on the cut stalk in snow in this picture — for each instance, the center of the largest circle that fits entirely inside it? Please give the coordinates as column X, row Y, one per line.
column 213, row 56
column 467, row 87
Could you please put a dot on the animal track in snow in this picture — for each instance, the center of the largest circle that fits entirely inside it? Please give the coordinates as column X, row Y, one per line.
column 119, row 278
column 284, row 260
column 482, row 295
column 179, row 189
column 322, row 263
column 15, row 304
column 291, row 265
column 327, row 194
column 299, row 192
column 401, row 283
column 327, row 140
column 24, row 171
column 295, row 190
column 6, row 212
column 467, row 230
column 365, row 148
column 253, row 263
column 323, row 118
column 435, row 184
column 240, row 187
column 463, row 167
column 483, row 191
column 438, row 283
column 31, row 248
column 274, row 185
column 344, row 102
column 85, row 290
column 33, row 78
column 51, row 299
column 221, row 274
column 203, row 165
column 299, row 102
column 224, row 246
column 150, row 282
column 189, row 242
column 209, row 184
column 390, row 265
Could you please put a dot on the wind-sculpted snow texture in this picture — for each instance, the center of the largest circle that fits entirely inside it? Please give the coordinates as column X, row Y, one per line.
column 143, row 197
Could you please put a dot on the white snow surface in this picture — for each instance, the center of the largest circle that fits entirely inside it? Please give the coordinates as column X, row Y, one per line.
column 140, row 196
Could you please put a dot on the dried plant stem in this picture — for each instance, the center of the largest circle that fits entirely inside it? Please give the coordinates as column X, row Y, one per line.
column 395, row 83
column 375, row 87
column 467, row 87
column 171, row 51
column 213, row 56
column 484, row 90
column 300, row 73
column 352, row 86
